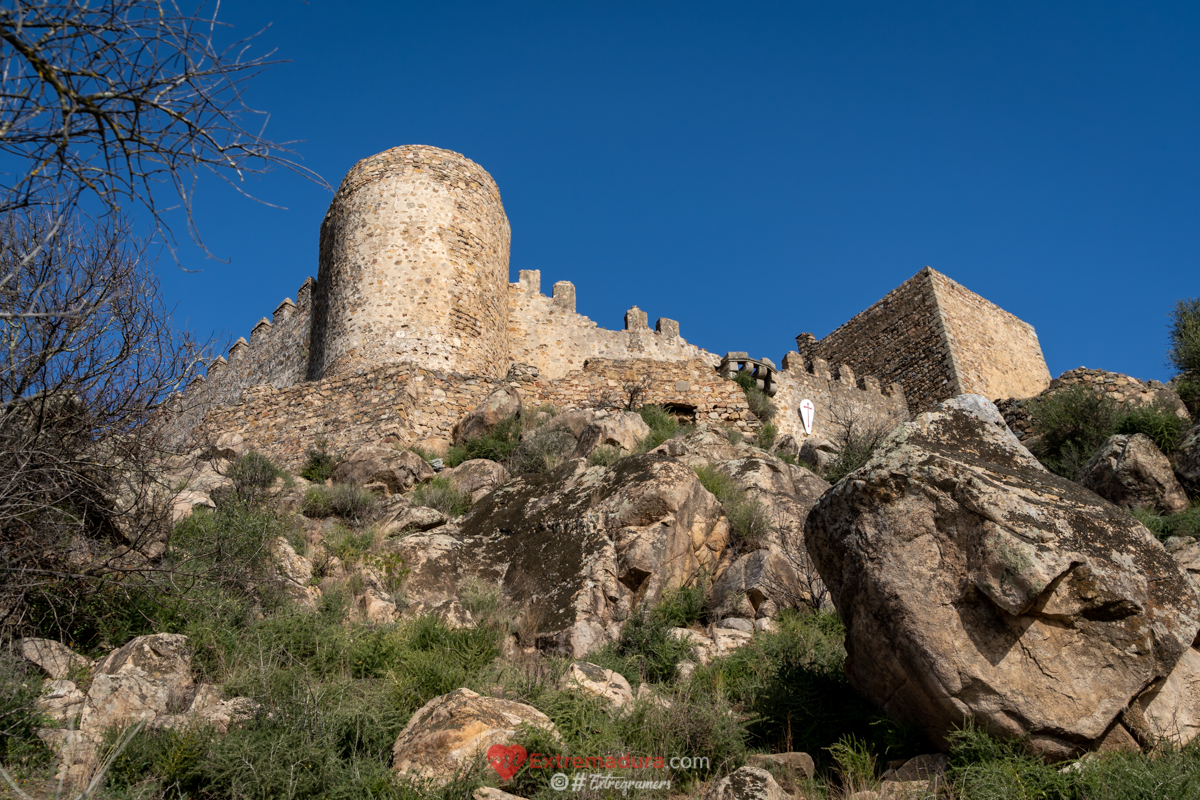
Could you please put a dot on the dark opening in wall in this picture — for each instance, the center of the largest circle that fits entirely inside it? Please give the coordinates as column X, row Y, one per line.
column 681, row 411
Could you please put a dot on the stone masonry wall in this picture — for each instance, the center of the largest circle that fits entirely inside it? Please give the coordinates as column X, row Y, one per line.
column 691, row 387
column 404, row 405
column 900, row 339
column 276, row 355
column 838, row 398
column 995, row 354
column 547, row 333
column 414, row 267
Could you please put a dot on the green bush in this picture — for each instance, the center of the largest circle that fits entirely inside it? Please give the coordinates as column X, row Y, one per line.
column 684, row 606
column 790, row 686
column 759, row 402
column 320, row 463
column 1184, row 351
column 347, row 544
column 440, row 494
column 646, row 650
column 20, row 684
column 352, row 503
column 1185, row 523
column 604, row 456
column 428, row 455
column 1070, row 426
column 733, row 435
column 663, row 427
column 1157, row 421
column 252, row 475
column 541, row 450
column 748, row 521
column 496, row 445
column 766, row 436
column 227, row 549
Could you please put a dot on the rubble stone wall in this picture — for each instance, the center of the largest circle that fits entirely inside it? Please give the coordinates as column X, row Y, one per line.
column 276, row 355
column 546, row 332
column 995, row 354
column 838, row 397
column 413, row 267
column 900, row 339
column 1120, row 388
column 938, row 339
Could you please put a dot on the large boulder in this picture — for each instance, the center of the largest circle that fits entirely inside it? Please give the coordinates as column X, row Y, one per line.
column 398, row 470
column 747, row 783
column 1171, row 709
column 778, row 572
column 591, row 679
column 1132, row 472
column 450, row 732
column 576, row 548
column 54, row 658
column 975, row 583
column 477, row 476
column 622, row 430
column 574, row 421
column 818, row 453
column 1187, row 461
column 502, row 404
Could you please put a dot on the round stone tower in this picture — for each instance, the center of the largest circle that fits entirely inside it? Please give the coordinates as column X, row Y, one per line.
column 413, row 267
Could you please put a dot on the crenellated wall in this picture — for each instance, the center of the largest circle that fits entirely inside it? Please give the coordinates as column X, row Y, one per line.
column 838, row 397
column 276, row 354
column 938, row 339
column 546, row 332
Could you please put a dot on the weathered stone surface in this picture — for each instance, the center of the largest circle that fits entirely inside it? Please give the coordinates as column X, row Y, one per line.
column 575, row 421
column 407, row 519
column 717, row 642
column 1130, row 471
column 1172, row 709
column 973, row 582
column 592, row 679
column 61, row 701
column 503, row 403
column 919, row 768
column 295, row 572
column 399, row 470
column 622, row 430
column 449, row 732
column 777, row 574
column 578, row 547
column 183, row 503
column 490, row 793
column 786, row 445
column 747, row 783
column 799, row 765
column 818, row 453
column 54, row 658
column 705, row 445
column 229, row 446
column 1187, row 461
column 477, row 477
column 1187, row 555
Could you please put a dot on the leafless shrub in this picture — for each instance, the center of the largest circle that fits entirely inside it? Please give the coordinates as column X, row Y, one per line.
column 78, row 394
column 857, row 435
column 629, row 396
column 113, row 98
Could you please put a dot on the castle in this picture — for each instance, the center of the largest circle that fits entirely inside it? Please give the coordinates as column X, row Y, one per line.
column 412, row 321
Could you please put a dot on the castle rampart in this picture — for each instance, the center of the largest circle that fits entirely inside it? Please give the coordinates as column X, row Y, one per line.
column 412, row 322
column 546, row 332
column 937, row 339
column 413, row 267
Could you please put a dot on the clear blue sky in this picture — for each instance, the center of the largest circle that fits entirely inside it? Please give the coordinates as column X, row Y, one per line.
column 755, row 170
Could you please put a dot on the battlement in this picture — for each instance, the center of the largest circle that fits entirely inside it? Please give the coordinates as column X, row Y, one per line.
column 413, row 281
column 548, row 333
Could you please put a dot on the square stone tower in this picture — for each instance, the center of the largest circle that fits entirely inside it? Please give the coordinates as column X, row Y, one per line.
column 937, row 339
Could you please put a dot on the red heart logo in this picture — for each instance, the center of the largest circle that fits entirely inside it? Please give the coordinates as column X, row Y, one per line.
column 506, row 760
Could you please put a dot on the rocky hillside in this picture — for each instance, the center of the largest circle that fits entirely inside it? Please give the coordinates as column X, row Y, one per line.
column 605, row 603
